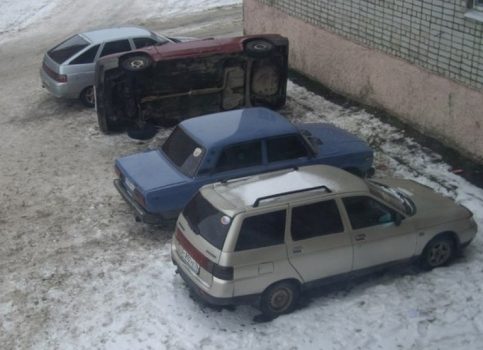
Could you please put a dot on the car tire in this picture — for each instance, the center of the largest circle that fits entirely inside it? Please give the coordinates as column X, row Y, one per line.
column 87, row 97
column 280, row 298
column 136, row 63
column 438, row 252
column 258, row 48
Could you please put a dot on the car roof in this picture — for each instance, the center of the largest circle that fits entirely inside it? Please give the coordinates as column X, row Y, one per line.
column 237, row 126
column 241, row 194
column 108, row 34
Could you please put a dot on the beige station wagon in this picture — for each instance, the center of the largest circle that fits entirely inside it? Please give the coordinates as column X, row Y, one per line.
column 264, row 239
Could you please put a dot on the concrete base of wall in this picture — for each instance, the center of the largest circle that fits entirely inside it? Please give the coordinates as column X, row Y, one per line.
column 439, row 107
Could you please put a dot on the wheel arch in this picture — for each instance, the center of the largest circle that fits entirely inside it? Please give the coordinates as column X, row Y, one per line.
column 293, row 280
column 450, row 234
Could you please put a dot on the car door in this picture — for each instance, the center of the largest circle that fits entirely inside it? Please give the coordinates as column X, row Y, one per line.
column 81, row 69
column 319, row 246
column 259, row 255
column 380, row 234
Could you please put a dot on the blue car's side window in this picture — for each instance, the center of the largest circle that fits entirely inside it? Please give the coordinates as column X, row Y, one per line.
column 285, row 147
column 240, row 156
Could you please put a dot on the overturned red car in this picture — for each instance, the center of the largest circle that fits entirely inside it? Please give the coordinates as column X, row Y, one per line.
column 163, row 84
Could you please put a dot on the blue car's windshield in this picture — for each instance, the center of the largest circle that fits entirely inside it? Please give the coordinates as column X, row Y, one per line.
column 183, row 151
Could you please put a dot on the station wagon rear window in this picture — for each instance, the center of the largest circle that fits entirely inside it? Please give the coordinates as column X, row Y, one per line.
column 206, row 221
column 183, row 151
column 68, row 48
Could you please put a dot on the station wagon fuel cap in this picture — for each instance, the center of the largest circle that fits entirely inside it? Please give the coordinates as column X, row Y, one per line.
column 225, row 220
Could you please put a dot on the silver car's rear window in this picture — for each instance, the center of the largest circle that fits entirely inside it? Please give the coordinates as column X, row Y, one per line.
column 68, row 48
column 206, row 221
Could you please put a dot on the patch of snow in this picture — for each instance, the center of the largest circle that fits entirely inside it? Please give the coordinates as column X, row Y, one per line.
column 165, row 8
column 17, row 14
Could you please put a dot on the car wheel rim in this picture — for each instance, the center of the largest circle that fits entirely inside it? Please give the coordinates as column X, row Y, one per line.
column 137, row 63
column 281, row 299
column 89, row 95
column 260, row 46
column 439, row 253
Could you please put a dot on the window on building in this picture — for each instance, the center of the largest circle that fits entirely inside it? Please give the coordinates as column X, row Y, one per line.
column 475, row 10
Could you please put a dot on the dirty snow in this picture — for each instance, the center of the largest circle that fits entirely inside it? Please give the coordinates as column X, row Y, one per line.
column 17, row 14
column 76, row 271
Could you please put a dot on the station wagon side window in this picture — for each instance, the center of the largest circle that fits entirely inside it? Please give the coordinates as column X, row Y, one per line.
column 316, row 219
column 115, row 47
column 285, row 147
column 262, row 230
column 87, row 57
column 240, row 156
column 365, row 211
column 143, row 42
column 68, row 48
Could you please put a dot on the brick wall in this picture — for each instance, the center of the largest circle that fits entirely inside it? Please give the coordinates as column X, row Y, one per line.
column 432, row 34
column 420, row 61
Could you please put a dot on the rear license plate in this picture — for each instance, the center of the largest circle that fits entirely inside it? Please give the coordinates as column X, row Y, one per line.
column 192, row 264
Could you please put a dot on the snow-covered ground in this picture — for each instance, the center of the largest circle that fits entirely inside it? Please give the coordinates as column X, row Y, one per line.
column 17, row 14
column 76, row 271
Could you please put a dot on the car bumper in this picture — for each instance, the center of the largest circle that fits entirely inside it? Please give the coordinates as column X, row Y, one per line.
column 55, row 88
column 204, row 297
column 140, row 213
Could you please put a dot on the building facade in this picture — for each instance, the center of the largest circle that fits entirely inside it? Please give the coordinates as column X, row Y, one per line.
column 421, row 61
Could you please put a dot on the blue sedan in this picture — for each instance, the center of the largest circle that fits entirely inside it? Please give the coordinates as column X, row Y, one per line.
column 158, row 183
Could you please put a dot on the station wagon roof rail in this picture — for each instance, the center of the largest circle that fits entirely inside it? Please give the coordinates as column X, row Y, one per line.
column 257, row 202
column 248, row 192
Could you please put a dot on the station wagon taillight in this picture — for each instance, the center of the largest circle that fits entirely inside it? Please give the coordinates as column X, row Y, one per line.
column 221, row 272
column 61, row 78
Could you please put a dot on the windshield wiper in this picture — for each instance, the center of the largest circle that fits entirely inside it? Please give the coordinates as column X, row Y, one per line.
column 406, row 202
